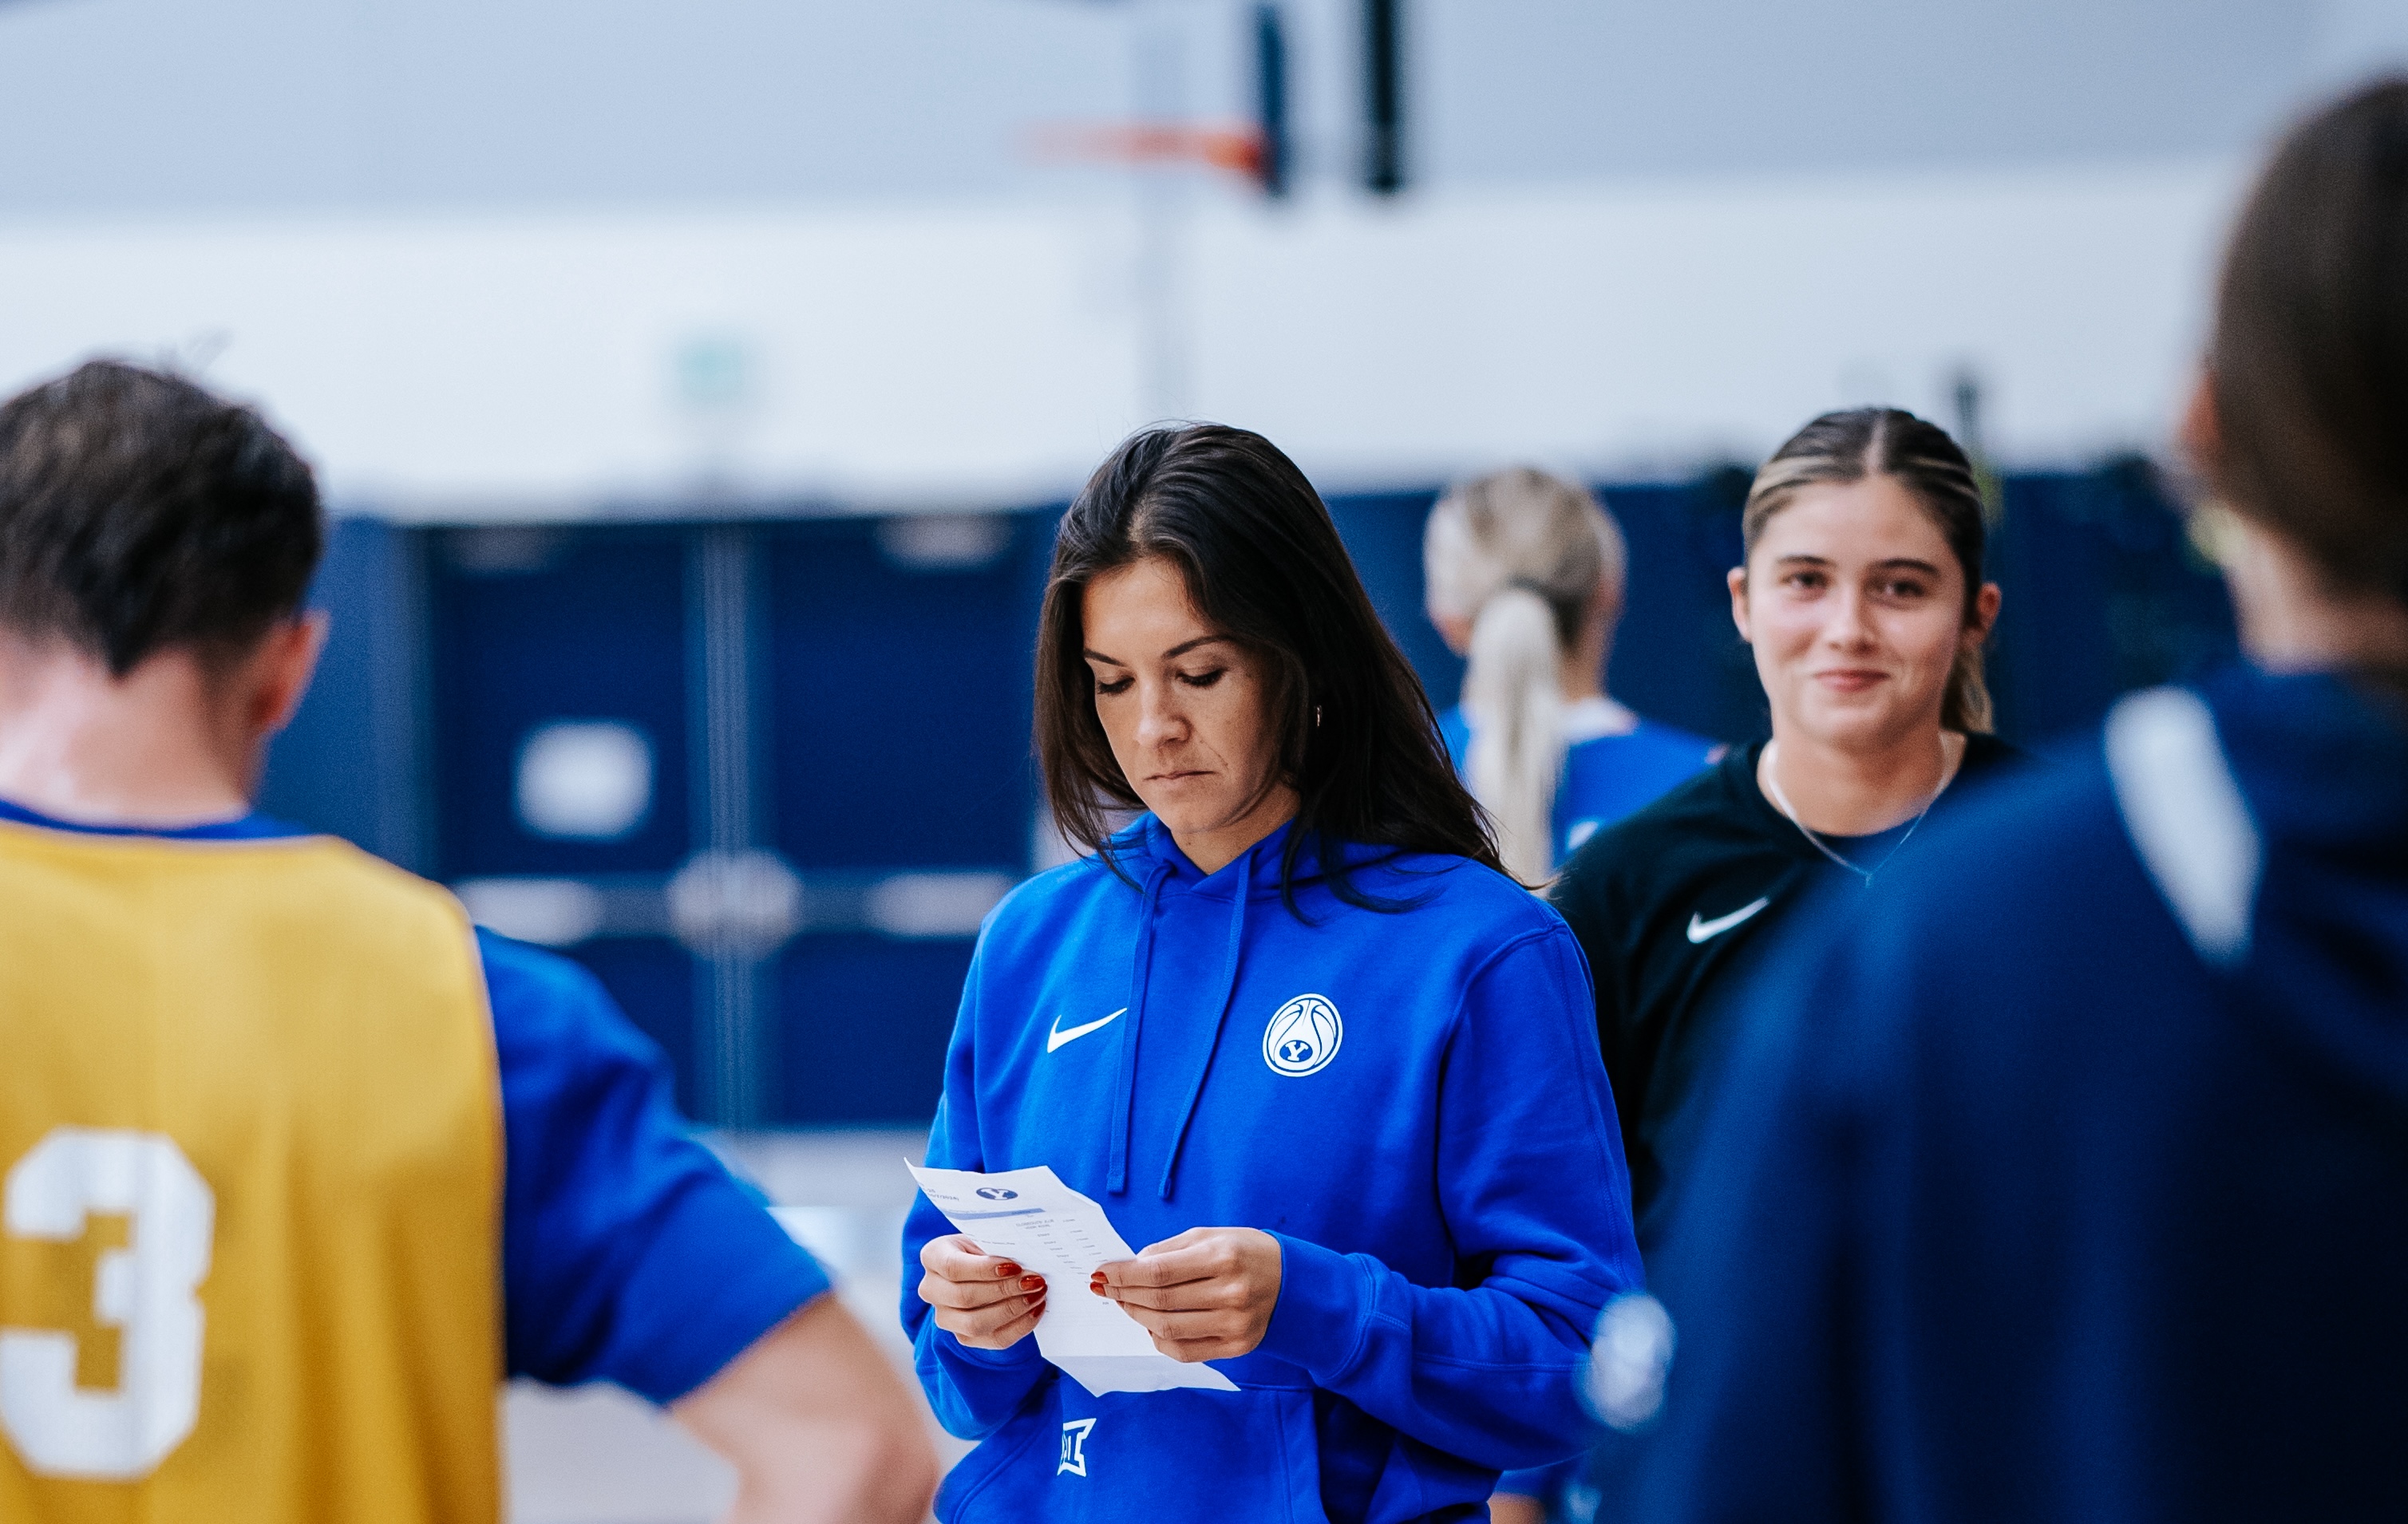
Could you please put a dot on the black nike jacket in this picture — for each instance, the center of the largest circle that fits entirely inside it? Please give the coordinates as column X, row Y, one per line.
column 1673, row 905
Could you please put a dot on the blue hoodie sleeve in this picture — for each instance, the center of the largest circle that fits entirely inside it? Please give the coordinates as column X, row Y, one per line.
column 973, row 1390
column 1538, row 1203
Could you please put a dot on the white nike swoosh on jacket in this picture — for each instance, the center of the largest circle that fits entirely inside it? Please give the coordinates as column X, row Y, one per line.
column 1700, row 929
column 1055, row 1037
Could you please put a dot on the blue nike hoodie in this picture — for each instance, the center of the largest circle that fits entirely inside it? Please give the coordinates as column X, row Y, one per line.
column 1411, row 1100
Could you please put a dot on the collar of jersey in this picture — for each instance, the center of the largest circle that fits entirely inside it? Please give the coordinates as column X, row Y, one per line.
column 1775, row 826
column 251, row 826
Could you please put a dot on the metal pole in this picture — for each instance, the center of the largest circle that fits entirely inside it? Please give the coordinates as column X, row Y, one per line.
column 1383, row 96
column 733, row 1041
column 1270, row 99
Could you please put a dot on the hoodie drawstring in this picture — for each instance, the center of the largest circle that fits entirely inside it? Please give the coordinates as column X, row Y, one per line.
column 1220, row 1018
column 1116, row 1179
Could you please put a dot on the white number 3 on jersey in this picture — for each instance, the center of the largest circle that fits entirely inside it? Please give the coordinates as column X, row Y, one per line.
column 145, row 1289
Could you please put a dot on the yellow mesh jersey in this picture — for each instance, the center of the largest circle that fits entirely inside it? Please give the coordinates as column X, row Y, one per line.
column 250, row 1218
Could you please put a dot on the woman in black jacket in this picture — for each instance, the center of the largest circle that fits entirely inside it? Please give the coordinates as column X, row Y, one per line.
column 1863, row 599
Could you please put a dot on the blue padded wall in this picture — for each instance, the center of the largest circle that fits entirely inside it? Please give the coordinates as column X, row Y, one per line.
column 351, row 763
column 894, row 696
column 531, row 626
column 901, row 697
column 2103, row 592
column 526, row 626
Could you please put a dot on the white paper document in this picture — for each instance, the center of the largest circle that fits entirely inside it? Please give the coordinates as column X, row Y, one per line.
column 1030, row 1217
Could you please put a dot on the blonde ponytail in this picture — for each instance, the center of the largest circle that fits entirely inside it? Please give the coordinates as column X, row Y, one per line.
column 1512, row 696
column 1523, row 556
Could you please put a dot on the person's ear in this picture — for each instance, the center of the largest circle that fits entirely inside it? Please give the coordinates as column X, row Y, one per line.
column 1985, row 615
column 288, row 659
column 1737, row 580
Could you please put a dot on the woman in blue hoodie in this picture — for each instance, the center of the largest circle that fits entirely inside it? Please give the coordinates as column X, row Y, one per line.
column 1292, row 1028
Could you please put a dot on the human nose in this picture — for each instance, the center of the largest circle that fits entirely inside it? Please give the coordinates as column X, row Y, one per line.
column 1849, row 626
column 1159, row 722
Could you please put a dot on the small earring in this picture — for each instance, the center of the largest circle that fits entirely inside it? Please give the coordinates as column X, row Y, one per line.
column 1316, row 716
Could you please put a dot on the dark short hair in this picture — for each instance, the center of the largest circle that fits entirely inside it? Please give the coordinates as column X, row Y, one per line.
column 1264, row 566
column 1849, row 446
column 139, row 514
column 2308, row 362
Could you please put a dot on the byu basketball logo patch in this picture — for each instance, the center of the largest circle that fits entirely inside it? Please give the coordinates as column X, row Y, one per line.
column 1303, row 1036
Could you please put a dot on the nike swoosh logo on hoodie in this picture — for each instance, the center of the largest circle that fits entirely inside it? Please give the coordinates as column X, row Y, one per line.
column 1056, row 1036
column 1700, row 931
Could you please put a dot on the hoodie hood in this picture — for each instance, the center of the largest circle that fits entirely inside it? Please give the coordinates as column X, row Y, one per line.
column 1145, row 846
column 2281, row 841
column 2322, row 763
column 1249, row 886
column 1147, row 853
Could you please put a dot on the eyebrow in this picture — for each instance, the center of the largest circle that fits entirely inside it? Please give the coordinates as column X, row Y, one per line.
column 1180, row 650
column 1893, row 563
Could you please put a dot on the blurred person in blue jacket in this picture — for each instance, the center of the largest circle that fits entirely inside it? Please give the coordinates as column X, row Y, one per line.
column 2061, row 1180
column 1292, row 1028
column 1525, row 575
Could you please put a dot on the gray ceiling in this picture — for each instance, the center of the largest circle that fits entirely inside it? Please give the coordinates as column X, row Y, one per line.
column 171, row 107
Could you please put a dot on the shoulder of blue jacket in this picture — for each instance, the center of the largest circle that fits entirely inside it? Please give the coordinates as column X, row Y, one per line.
column 1040, row 900
column 1468, row 897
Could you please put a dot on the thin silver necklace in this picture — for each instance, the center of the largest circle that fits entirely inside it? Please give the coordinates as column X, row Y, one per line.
column 1772, row 781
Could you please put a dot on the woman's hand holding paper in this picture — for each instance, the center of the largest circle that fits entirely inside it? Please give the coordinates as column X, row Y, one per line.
column 985, row 1302
column 1205, row 1294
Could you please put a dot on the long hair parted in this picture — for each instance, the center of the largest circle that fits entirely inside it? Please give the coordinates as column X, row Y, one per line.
column 2309, row 361
column 1848, row 447
column 1524, row 557
column 1263, row 564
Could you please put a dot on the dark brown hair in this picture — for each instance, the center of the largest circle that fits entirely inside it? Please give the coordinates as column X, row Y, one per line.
column 139, row 514
column 2309, row 365
column 1848, row 447
column 1263, row 564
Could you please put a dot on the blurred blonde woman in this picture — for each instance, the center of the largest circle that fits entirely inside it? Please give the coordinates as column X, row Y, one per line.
column 1524, row 574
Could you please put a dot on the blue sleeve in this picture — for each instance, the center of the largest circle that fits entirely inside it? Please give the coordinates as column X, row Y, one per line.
column 629, row 1254
column 972, row 1390
column 1538, row 1203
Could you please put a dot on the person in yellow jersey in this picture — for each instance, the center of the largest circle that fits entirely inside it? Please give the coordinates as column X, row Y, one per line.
column 294, row 1166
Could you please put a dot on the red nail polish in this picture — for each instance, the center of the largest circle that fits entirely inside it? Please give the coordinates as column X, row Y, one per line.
column 1006, row 1268
column 1032, row 1283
